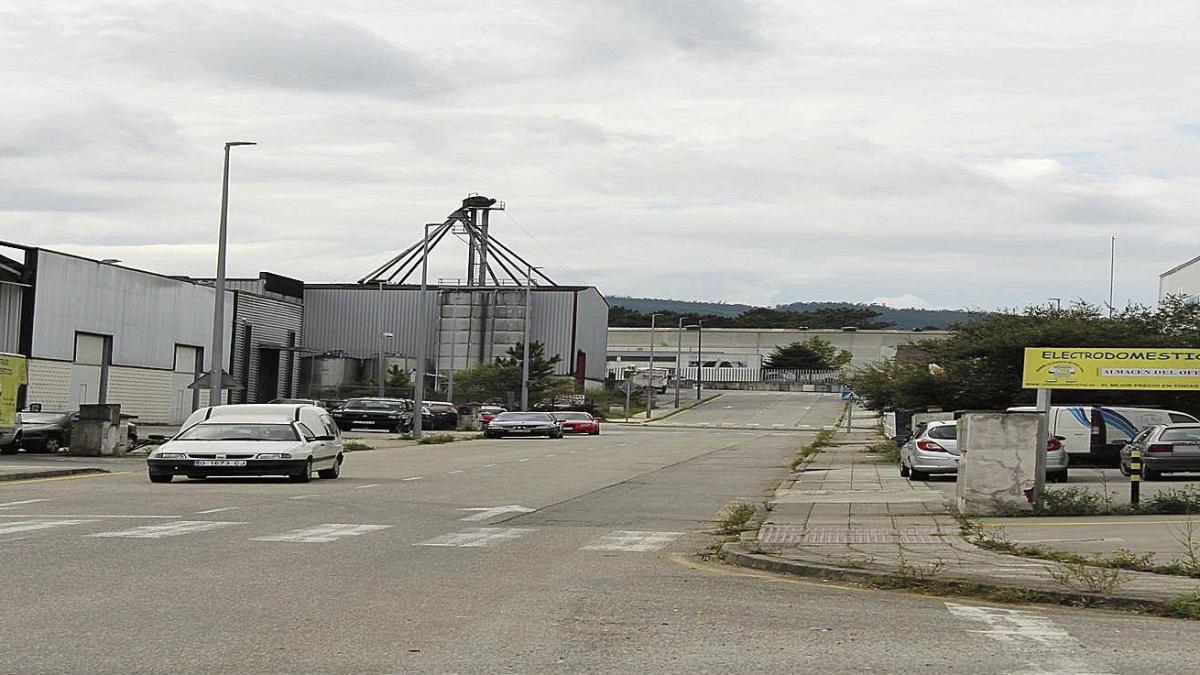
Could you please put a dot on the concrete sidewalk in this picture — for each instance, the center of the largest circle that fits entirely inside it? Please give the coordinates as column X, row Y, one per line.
column 847, row 514
column 664, row 408
column 31, row 466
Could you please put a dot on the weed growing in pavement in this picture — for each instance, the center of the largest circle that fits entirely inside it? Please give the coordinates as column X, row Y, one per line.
column 1072, row 501
column 1178, row 501
column 1185, row 535
column 888, row 450
column 822, row 440
column 1085, row 577
column 918, row 572
column 1125, row 559
column 1185, row 606
column 355, row 446
column 735, row 516
column 436, row 439
column 851, row 563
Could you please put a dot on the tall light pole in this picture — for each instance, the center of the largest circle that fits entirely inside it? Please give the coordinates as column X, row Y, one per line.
column 650, row 381
column 216, row 374
column 1112, row 273
column 382, row 367
column 525, row 340
column 422, row 337
column 699, row 357
column 678, row 358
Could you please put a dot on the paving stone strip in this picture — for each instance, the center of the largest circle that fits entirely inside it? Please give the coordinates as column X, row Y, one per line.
column 848, row 509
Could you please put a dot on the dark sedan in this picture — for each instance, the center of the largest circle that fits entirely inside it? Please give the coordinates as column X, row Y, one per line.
column 375, row 413
column 524, row 424
column 445, row 414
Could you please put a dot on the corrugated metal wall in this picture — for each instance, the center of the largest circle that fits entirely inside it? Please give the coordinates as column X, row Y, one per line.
column 591, row 332
column 10, row 317
column 349, row 319
column 270, row 321
column 146, row 314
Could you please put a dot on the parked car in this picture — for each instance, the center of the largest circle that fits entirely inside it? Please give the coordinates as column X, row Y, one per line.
column 333, row 403
column 933, row 449
column 578, row 423
column 1096, row 433
column 445, row 414
column 488, row 412
column 251, row 440
column 524, row 424
column 1166, row 448
column 375, row 413
column 50, row 432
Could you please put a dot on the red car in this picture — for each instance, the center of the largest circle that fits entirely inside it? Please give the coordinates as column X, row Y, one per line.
column 487, row 413
column 578, row 423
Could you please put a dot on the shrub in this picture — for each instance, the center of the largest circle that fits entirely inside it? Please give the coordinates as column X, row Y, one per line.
column 436, row 439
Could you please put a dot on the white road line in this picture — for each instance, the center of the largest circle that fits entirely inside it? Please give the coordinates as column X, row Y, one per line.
column 1037, row 641
column 756, row 424
column 223, row 508
column 300, row 497
column 364, row 487
column 323, row 533
column 550, row 455
column 24, row 501
column 486, row 512
column 175, row 529
column 456, row 471
column 77, row 515
column 30, row 525
column 413, row 478
column 778, row 425
column 490, row 466
column 478, row 537
column 632, row 540
column 573, row 452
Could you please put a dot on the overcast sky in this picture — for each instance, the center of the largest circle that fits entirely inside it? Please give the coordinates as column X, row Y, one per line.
column 926, row 153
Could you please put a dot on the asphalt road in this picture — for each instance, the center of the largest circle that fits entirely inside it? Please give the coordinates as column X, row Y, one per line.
column 760, row 410
column 406, row 565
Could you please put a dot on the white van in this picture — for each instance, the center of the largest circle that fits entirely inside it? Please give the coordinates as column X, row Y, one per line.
column 1091, row 432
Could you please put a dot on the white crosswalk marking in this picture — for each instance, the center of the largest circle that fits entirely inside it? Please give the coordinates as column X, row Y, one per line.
column 174, row 529
column 632, row 540
column 30, row 525
column 323, row 533
column 1040, row 643
column 24, row 501
column 478, row 537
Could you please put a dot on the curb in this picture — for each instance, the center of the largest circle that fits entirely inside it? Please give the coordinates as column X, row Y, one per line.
column 736, row 554
column 678, row 410
column 49, row 473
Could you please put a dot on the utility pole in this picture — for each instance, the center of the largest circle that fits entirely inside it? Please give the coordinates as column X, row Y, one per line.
column 216, row 373
column 650, row 382
column 678, row 358
column 1112, row 273
column 422, row 338
column 525, row 341
column 699, row 357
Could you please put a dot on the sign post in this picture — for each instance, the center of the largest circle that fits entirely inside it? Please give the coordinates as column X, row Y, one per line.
column 849, row 397
column 628, row 386
column 1043, row 433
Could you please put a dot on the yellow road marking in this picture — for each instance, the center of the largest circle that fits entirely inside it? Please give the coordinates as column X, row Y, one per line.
column 27, row 481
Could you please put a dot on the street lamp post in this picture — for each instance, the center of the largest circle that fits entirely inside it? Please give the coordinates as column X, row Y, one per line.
column 216, row 374
column 382, row 368
column 650, row 378
column 678, row 358
column 699, row 357
column 422, row 338
column 525, row 340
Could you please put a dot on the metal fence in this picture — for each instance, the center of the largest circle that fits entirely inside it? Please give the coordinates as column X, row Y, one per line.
column 718, row 375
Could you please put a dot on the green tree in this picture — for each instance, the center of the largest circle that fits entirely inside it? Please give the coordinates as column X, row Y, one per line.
column 541, row 369
column 398, row 382
column 812, row 354
column 501, row 380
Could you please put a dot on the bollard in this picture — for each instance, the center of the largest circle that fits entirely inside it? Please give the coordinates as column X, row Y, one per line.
column 1135, row 476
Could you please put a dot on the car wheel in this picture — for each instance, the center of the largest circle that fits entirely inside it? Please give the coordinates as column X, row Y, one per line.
column 52, row 445
column 596, row 432
column 11, row 448
column 913, row 474
column 903, row 470
column 305, row 474
column 1148, row 474
column 161, row 477
column 333, row 471
column 1059, row 477
column 1124, row 469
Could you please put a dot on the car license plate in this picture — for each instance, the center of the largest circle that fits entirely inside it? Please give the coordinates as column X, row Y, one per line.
column 519, row 431
column 220, row 462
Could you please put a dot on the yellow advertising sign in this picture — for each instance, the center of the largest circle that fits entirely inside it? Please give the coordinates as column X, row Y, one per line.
column 1111, row 368
column 12, row 376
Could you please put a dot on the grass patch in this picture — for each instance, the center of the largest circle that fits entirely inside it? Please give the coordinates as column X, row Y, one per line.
column 735, row 516
column 822, row 440
column 1078, row 501
column 888, row 450
column 356, row 446
column 437, row 439
column 1182, row 607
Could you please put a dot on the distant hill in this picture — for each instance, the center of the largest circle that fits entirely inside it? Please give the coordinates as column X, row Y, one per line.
column 902, row 318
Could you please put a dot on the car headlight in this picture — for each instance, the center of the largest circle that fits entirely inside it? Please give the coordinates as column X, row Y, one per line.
column 274, row 455
column 170, row 455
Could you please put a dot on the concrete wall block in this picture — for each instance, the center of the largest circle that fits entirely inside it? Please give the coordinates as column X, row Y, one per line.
column 49, row 384
column 142, row 392
column 998, row 452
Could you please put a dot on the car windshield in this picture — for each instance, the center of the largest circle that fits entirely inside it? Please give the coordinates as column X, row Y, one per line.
column 240, row 432
column 362, row 404
column 39, row 418
column 946, row 432
column 573, row 416
column 1181, row 434
column 441, row 407
column 523, row 417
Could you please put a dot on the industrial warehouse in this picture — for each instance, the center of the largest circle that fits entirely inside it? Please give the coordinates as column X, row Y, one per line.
column 94, row 331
